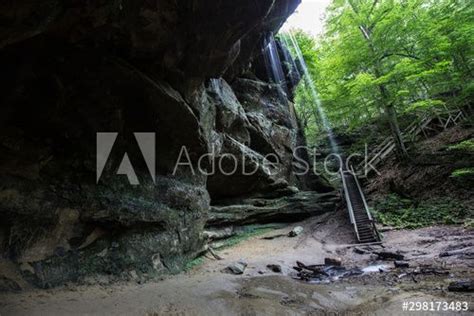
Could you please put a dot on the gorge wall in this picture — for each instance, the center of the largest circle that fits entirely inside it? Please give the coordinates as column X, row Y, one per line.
column 180, row 69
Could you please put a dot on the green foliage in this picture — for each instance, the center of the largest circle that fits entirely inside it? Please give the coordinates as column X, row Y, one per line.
column 424, row 105
column 405, row 213
column 464, row 177
column 418, row 52
column 469, row 223
column 467, row 146
column 463, row 173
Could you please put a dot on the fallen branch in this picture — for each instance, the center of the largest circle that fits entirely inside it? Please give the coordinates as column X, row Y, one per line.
column 274, row 236
column 214, row 254
column 469, row 251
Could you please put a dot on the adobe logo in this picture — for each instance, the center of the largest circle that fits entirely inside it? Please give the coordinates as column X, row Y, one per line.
column 146, row 143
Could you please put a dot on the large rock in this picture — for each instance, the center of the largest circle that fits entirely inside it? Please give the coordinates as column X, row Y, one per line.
column 239, row 171
column 186, row 42
column 256, row 141
column 231, row 118
column 72, row 69
column 49, row 198
column 285, row 209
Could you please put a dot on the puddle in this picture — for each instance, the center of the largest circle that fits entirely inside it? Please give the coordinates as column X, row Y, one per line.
column 376, row 268
column 328, row 274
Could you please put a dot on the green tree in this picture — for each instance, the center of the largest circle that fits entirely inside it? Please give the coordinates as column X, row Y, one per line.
column 380, row 58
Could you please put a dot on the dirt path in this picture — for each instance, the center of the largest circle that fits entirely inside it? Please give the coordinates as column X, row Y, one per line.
column 208, row 291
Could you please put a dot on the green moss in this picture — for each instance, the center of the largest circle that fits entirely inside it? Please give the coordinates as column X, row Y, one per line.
column 248, row 232
column 242, row 237
column 405, row 213
column 245, row 233
column 194, row 263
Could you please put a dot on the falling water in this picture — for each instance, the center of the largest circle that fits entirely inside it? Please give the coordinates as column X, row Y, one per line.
column 295, row 74
column 314, row 95
column 274, row 67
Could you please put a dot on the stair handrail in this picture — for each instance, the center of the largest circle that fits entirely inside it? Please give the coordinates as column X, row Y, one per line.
column 413, row 130
column 349, row 203
column 366, row 207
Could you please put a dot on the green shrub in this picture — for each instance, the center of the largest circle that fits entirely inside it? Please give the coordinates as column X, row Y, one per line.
column 467, row 145
column 405, row 213
column 469, row 223
column 464, row 172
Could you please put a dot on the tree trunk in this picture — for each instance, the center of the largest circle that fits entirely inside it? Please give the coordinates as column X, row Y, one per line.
column 391, row 115
column 397, row 135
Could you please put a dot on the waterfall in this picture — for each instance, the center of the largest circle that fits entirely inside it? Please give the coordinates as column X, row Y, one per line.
column 295, row 74
column 274, row 67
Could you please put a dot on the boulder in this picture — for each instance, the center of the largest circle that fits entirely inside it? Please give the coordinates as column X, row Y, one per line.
column 461, row 286
column 337, row 262
column 388, row 255
column 298, row 230
column 236, row 267
column 274, row 267
column 401, row 264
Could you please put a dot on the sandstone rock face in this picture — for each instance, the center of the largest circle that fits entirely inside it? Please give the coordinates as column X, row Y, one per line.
column 262, row 210
column 72, row 69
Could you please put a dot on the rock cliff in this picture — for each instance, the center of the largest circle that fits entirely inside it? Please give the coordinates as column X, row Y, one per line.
column 182, row 70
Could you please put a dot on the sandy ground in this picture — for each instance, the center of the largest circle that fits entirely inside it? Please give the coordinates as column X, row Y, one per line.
column 206, row 290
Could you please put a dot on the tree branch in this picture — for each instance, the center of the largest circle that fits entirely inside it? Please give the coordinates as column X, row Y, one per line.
column 372, row 8
column 386, row 55
column 378, row 19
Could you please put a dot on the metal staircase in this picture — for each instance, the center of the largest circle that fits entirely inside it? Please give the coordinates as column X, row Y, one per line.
column 421, row 126
column 359, row 213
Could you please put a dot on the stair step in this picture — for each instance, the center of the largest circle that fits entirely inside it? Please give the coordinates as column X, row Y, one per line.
column 363, row 223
